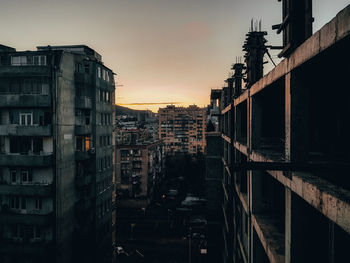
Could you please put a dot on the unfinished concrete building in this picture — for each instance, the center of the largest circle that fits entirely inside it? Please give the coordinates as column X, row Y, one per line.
column 286, row 147
column 56, row 155
column 182, row 129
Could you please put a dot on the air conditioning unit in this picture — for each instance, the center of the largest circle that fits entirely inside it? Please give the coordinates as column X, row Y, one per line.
column 92, row 150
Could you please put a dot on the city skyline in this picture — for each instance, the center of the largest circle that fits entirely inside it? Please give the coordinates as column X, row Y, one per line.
column 162, row 51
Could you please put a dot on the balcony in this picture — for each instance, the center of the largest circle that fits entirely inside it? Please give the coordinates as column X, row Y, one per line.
column 13, row 246
column 82, row 78
column 25, row 71
column 82, row 180
column 21, row 130
column 82, row 207
column 83, row 155
column 83, row 102
column 83, row 129
column 10, row 159
column 25, row 100
column 27, row 189
column 30, row 218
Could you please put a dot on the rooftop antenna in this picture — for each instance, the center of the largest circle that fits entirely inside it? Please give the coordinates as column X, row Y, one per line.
column 251, row 25
column 259, row 25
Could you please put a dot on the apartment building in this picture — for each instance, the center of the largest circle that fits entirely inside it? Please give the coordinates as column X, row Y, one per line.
column 285, row 160
column 56, row 155
column 182, row 129
column 139, row 167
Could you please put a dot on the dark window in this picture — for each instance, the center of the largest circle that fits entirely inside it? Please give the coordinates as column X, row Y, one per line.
column 25, row 176
column 13, row 176
column 38, row 232
column 87, row 120
column 38, row 203
column 23, row 203
column 47, row 117
column 37, row 145
column 87, row 68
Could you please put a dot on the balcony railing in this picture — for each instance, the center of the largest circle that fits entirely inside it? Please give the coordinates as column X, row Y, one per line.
column 22, row 130
column 83, row 129
column 25, row 100
column 16, row 159
column 25, row 70
column 36, row 217
column 26, row 189
column 83, row 102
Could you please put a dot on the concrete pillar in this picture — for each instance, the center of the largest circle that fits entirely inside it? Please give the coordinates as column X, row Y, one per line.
column 255, row 121
column 296, row 117
column 257, row 253
column 288, row 225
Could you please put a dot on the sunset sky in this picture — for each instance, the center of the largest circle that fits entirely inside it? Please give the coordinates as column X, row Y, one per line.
column 162, row 50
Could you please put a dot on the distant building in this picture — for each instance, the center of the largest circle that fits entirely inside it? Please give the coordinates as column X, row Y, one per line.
column 139, row 167
column 182, row 129
column 56, row 155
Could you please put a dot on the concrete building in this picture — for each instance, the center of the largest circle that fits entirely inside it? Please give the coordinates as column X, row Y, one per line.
column 56, row 155
column 286, row 143
column 139, row 167
column 182, row 129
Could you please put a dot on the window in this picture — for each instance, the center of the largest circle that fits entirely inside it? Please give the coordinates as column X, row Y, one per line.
column 38, row 203
column 14, row 202
column 19, row 60
column 25, row 176
column 14, row 87
column 14, row 232
column 26, row 118
column 37, row 144
column 87, row 120
column 13, row 176
column 87, row 68
column 102, row 119
column 38, row 232
column 98, row 72
column 39, row 60
column 23, row 203
column 107, row 96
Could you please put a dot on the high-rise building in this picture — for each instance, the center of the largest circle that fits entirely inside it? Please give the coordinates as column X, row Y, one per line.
column 285, row 156
column 56, row 155
column 182, row 129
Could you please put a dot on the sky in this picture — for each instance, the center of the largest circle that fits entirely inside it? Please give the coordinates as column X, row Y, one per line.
column 161, row 50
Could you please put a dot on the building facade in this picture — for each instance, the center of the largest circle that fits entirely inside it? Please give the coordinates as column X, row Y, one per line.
column 182, row 129
column 139, row 167
column 285, row 148
column 56, row 155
